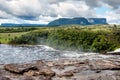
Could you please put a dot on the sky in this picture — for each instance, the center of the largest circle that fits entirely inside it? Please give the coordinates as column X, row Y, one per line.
column 44, row 11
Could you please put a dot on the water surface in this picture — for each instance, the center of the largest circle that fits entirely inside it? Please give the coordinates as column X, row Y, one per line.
column 20, row 54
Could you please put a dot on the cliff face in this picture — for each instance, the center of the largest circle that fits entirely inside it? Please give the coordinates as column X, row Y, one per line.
column 97, row 20
column 80, row 21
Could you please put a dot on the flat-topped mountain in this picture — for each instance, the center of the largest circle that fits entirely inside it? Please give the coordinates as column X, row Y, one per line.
column 21, row 25
column 97, row 20
column 79, row 21
column 62, row 21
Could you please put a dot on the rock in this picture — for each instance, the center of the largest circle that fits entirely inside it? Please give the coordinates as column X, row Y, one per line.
column 98, row 71
column 117, row 75
column 4, row 78
column 27, row 78
column 111, row 53
column 20, row 69
column 69, row 62
column 50, row 63
column 103, row 65
column 66, row 74
column 36, row 69
column 45, row 78
column 32, row 73
column 105, row 77
column 47, row 72
column 63, row 70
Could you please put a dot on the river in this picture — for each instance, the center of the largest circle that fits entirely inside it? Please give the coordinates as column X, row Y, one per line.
column 21, row 54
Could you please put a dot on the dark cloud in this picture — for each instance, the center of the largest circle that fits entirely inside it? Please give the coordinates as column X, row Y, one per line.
column 28, row 17
column 113, row 3
column 93, row 3
column 56, row 1
column 2, row 17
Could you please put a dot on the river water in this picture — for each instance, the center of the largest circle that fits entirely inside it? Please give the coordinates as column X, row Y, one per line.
column 20, row 54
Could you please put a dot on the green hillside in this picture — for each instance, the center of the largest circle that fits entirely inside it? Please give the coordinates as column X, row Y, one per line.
column 98, row 38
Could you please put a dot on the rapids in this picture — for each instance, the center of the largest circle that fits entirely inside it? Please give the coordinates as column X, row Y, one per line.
column 20, row 54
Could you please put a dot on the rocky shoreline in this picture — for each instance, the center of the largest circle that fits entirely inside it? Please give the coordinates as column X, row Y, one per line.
column 64, row 69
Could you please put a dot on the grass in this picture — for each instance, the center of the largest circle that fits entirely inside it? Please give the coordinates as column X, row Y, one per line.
column 6, row 37
column 10, row 33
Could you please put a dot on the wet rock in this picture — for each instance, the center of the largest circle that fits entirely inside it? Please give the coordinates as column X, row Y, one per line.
column 112, row 53
column 4, row 78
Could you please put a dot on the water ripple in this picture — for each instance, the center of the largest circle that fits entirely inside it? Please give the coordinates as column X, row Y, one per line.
column 20, row 54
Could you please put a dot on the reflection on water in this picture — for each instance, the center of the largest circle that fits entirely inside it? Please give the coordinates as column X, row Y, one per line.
column 19, row 54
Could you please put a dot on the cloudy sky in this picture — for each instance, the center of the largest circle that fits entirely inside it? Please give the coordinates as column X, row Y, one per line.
column 44, row 11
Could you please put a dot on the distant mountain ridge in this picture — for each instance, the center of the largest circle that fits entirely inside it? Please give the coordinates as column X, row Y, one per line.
column 79, row 21
column 62, row 21
column 22, row 25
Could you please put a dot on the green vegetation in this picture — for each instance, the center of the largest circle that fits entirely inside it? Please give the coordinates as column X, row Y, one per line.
column 97, row 38
column 6, row 37
column 13, row 29
column 8, row 34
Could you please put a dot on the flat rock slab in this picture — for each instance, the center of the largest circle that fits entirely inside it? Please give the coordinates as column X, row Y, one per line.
column 103, row 65
column 20, row 69
column 65, row 69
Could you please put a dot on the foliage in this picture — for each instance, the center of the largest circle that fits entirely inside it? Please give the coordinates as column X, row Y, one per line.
column 101, row 43
column 93, row 38
column 13, row 29
column 97, row 38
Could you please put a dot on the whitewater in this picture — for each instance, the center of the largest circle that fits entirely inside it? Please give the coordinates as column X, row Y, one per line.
column 28, row 53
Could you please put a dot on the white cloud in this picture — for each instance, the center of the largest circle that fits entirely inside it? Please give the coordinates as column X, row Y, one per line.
column 113, row 17
column 72, row 9
column 43, row 11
